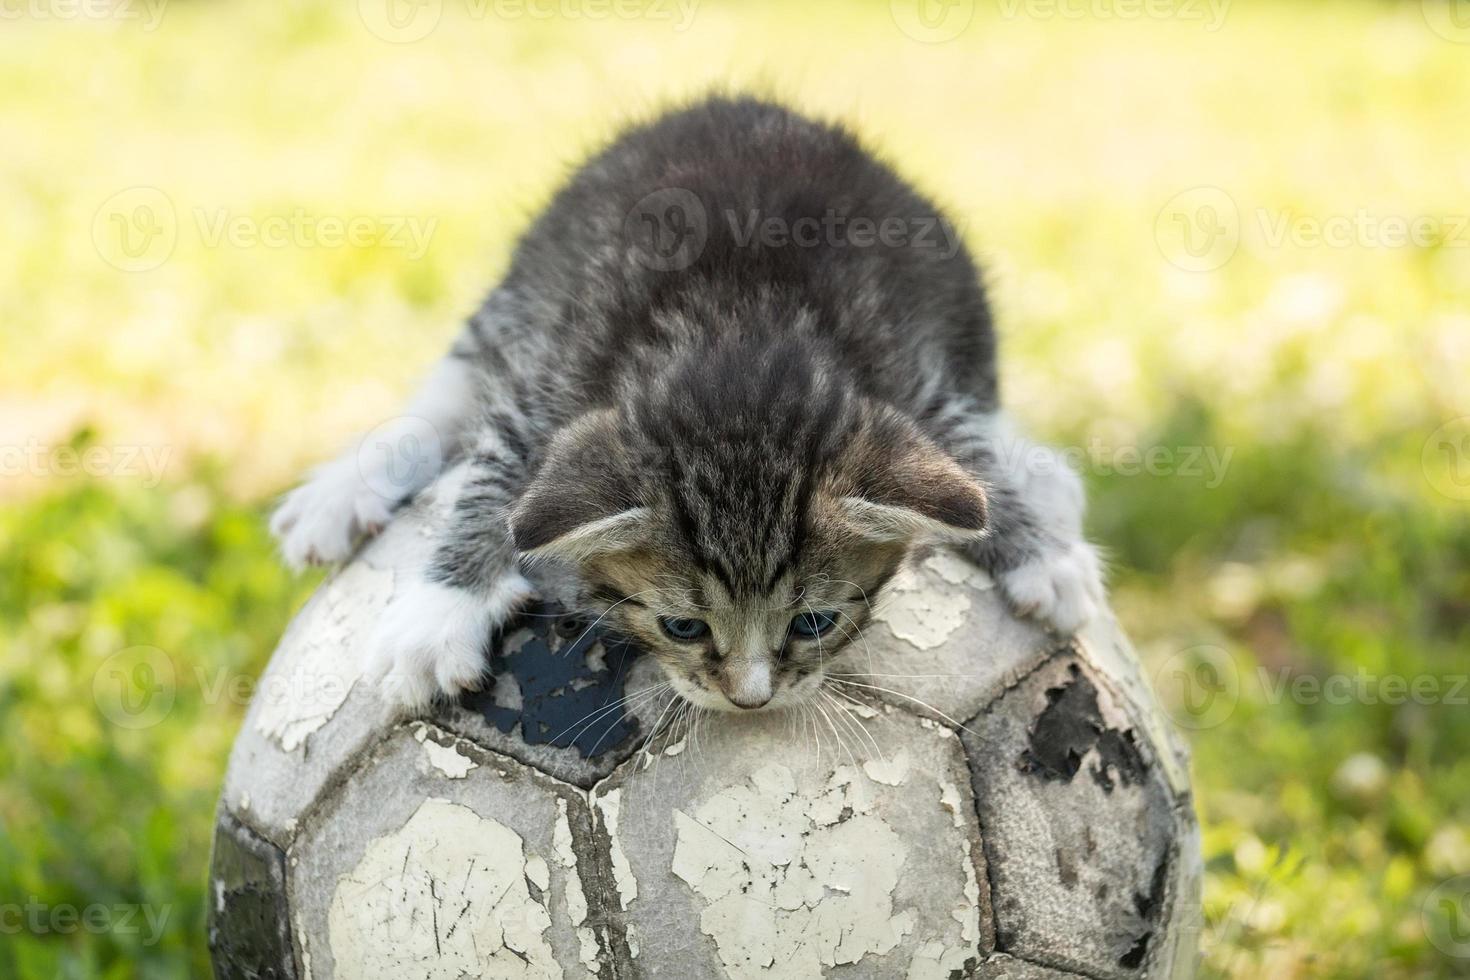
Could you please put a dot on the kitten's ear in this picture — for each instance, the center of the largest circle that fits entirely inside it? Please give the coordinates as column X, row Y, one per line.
column 904, row 488
column 581, row 502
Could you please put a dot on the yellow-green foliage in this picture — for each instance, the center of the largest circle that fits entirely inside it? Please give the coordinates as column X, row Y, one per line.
column 1330, row 541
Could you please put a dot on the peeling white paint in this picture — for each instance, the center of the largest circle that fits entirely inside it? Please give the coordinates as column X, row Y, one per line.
column 917, row 613
column 891, row 771
column 935, row 961
column 792, row 885
column 609, row 804
column 968, row 914
column 633, row 948
column 449, row 760
column 444, row 896
column 538, row 872
column 958, row 570
column 319, row 661
column 566, row 856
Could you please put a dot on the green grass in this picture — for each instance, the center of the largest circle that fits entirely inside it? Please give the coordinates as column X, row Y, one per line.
column 1325, row 547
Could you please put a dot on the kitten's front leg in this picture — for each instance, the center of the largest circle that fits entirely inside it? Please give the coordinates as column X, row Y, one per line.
column 432, row 637
column 353, row 496
column 1035, row 549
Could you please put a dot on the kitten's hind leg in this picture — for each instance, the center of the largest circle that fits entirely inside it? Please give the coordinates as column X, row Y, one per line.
column 354, row 495
column 1035, row 550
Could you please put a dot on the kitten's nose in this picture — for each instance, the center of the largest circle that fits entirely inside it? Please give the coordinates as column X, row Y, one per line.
column 747, row 683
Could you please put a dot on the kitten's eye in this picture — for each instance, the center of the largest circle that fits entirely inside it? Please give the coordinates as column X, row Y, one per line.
column 683, row 629
column 814, row 624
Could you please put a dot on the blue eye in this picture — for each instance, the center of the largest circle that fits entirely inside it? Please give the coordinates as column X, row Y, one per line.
column 683, row 629
column 814, row 624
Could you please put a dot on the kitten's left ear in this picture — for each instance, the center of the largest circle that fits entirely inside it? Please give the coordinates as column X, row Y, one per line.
column 903, row 488
column 581, row 502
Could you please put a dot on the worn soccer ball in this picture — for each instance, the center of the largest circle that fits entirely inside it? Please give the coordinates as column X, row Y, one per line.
column 978, row 798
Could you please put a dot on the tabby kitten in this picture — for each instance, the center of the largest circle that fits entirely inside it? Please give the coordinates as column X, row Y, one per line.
column 737, row 372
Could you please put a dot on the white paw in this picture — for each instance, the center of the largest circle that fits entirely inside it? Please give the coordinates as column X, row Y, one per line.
column 321, row 520
column 432, row 639
column 1063, row 588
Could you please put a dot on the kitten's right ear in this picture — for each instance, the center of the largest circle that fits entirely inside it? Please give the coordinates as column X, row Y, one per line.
column 581, row 502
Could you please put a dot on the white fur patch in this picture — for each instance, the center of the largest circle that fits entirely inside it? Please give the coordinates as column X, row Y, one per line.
column 321, row 520
column 432, row 638
column 1063, row 587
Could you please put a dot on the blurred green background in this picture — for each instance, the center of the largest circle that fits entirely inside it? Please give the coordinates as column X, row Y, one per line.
column 1230, row 258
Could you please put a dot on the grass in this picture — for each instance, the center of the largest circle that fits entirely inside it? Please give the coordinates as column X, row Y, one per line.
column 1296, row 547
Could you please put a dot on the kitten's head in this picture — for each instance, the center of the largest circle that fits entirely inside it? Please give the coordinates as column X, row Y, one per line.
column 743, row 536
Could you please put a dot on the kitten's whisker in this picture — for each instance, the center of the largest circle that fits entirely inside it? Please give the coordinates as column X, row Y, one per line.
column 869, row 673
column 852, row 716
column 837, row 736
column 908, row 697
column 592, row 716
column 599, row 619
column 654, row 729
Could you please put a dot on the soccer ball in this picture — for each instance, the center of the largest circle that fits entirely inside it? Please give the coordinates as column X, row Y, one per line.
column 973, row 798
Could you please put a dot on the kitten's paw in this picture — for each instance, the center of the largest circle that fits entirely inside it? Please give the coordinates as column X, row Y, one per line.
column 1062, row 587
column 321, row 520
column 432, row 639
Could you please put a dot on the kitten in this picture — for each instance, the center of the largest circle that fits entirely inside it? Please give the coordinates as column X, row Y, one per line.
column 737, row 372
